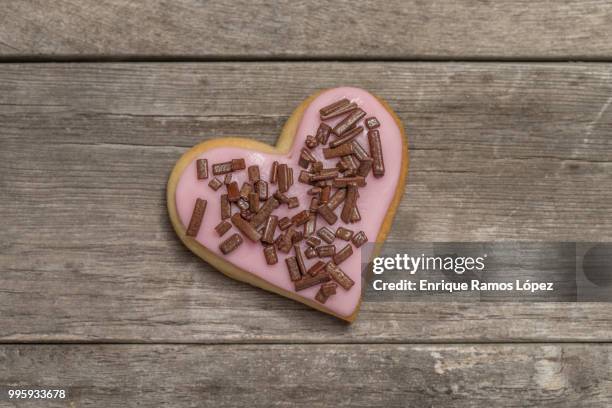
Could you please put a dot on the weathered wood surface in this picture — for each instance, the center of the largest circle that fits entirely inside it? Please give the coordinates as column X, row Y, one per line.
column 499, row 151
column 552, row 375
column 392, row 29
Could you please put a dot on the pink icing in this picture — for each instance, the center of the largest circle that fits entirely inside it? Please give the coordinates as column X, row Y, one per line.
column 373, row 203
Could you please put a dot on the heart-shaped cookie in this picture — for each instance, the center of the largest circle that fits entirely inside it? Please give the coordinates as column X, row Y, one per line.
column 292, row 219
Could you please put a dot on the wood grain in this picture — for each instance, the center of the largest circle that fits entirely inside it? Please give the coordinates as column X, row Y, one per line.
column 394, row 29
column 498, row 152
column 317, row 375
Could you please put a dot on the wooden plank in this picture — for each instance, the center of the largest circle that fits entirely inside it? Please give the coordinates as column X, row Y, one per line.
column 317, row 375
column 571, row 29
column 499, row 151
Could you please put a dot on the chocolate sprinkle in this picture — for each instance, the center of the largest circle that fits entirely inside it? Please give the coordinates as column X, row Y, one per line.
column 320, row 297
column 285, row 241
column 343, row 254
column 306, row 158
column 215, row 184
column 332, row 107
column 245, row 190
column 246, row 214
column 326, row 235
column 196, row 217
column 245, row 227
column 349, row 122
column 349, row 202
column 325, row 291
column 230, row 244
column 311, row 225
column 316, row 167
column 316, row 268
column 233, row 192
column 344, row 164
column 326, row 251
column 328, row 215
column 378, row 166
column 297, row 236
column 364, row 167
column 238, row 164
column 340, row 111
column 270, row 255
column 313, row 241
column 304, row 177
column 222, row 168
column 283, row 178
column 226, row 209
column 329, row 288
column 314, row 204
column 227, row 179
column 323, row 133
column 311, row 142
column 344, row 233
column 359, row 152
column 261, row 187
column 314, row 191
column 253, row 202
column 342, row 150
column 293, row 202
column 223, row 227
column 301, row 217
column 269, row 229
column 299, row 258
column 253, row 172
column 242, row 204
column 353, row 163
column 345, row 181
column 293, row 268
column 337, row 199
column 339, row 276
column 282, row 198
column 202, row 169
column 310, row 253
column 325, row 174
column 372, row 123
column 359, row 239
column 325, row 193
column 346, row 136
column 274, row 172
